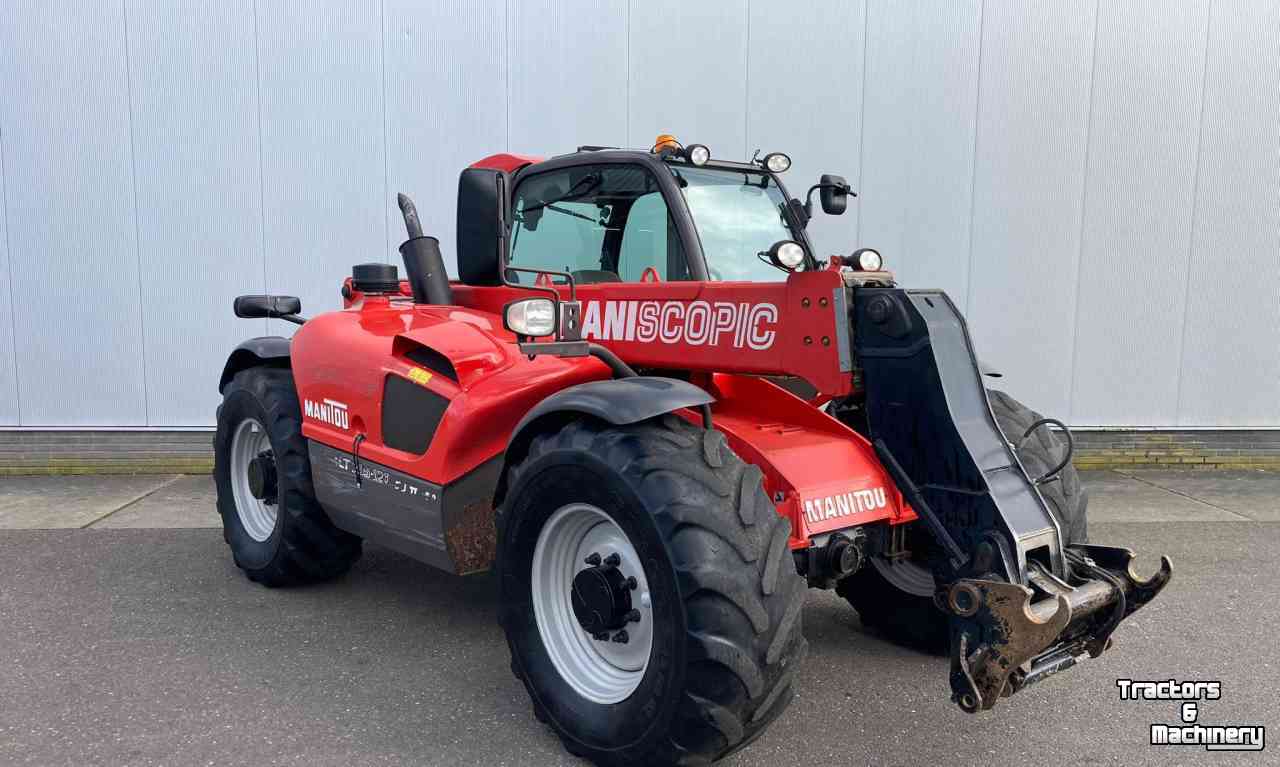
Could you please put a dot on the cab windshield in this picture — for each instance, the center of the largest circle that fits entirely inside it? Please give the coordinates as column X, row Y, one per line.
column 738, row 215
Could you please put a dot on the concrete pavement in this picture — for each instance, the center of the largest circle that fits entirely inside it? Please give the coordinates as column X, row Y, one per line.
column 79, row 500
column 136, row 642
column 184, row 501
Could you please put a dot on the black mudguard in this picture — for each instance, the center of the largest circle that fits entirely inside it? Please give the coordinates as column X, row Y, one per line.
column 254, row 352
column 618, row 401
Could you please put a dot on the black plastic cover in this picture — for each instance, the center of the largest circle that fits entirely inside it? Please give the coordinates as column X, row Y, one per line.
column 832, row 195
column 257, row 307
column 410, row 415
column 480, row 228
column 272, row 350
column 618, row 401
column 375, row 278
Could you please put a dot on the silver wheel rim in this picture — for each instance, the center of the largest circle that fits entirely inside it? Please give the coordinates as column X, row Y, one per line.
column 600, row 671
column 906, row 575
column 257, row 518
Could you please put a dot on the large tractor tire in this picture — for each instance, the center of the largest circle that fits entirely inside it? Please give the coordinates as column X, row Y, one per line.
column 659, row 533
column 897, row 598
column 277, row 531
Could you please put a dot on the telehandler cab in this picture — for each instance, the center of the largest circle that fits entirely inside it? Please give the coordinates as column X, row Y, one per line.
column 661, row 418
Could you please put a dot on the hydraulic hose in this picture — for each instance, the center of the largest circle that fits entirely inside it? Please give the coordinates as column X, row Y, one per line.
column 1066, row 459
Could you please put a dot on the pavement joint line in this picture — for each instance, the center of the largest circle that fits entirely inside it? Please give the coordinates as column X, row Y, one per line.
column 1188, row 496
column 133, row 500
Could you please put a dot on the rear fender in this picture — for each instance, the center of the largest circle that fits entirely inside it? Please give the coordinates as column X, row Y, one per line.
column 618, row 401
column 254, row 352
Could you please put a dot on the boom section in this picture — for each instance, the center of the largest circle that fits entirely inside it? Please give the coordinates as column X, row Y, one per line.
column 797, row 327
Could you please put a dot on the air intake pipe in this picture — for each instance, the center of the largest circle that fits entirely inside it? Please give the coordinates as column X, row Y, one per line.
column 423, row 264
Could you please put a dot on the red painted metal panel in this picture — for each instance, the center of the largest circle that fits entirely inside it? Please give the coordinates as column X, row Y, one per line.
column 742, row 327
column 341, row 360
column 821, row 474
column 509, row 163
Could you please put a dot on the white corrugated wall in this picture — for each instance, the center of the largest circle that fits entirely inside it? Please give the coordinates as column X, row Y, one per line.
column 1097, row 183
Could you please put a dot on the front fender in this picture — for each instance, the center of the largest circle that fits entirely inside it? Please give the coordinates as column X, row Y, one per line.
column 618, row 401
column 251, row 353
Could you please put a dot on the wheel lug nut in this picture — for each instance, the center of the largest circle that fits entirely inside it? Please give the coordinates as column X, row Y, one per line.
column 631, row 583
column 613, row 560
column 621, row 637
column 633, row 616
column 593, row 559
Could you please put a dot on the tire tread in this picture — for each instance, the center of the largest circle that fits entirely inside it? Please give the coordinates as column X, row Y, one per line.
column 743, row 641
column 311, row 548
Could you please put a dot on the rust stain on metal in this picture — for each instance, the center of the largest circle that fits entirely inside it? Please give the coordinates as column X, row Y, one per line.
column 472, row 541
column 1017, row 637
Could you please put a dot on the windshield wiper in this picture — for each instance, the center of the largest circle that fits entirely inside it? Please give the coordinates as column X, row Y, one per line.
column 592, row 181
column 568, row 212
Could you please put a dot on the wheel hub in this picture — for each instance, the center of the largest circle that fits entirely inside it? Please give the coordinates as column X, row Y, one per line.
column 601, row 597
column 592, row 603
column 253, row 479
column 261, row 474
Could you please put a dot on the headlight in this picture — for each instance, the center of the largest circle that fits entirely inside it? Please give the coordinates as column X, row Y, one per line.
column 530, row 317
column 786, row 254
column 867, row 260
column 777, row 162
column 698, row 154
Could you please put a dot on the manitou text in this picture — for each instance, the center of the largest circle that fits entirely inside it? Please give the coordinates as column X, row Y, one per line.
column 328, row 411
column 844, row 504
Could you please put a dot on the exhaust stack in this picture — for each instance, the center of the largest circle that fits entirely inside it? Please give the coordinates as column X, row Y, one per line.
column 423, row 264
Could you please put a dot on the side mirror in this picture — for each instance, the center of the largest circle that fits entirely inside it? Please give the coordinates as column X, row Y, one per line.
column 257, row 307
column 834, row 194
column 482, row 227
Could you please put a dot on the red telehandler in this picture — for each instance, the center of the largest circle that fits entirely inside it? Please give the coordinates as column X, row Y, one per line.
column 650, row 407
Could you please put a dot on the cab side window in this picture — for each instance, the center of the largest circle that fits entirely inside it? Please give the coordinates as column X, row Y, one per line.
column 600, row 223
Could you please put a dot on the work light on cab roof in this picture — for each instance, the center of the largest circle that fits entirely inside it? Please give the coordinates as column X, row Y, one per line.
column 776, row 162
column 668, row 145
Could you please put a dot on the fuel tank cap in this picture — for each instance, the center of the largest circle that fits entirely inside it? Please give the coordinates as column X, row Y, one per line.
column 375, row 278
